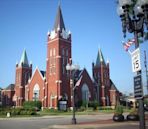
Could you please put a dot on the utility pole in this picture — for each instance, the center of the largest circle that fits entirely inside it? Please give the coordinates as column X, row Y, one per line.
column 134, row 23
column 146, row 70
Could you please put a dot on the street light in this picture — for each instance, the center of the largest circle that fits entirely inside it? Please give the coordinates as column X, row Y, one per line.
column 72, row 69
column 134, row 21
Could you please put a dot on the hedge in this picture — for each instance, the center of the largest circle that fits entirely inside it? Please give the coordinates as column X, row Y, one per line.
column 32, row 105
column 17, row 111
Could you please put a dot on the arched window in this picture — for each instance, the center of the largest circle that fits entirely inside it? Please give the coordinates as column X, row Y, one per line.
column 85, row 92
column 36, row 92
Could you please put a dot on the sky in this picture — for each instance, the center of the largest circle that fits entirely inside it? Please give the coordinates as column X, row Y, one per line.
column 94, row 24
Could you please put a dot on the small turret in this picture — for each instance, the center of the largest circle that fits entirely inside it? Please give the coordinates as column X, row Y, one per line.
column 107, row 63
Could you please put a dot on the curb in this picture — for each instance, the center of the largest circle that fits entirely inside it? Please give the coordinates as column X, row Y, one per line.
column 30, row 118
column 87, row 126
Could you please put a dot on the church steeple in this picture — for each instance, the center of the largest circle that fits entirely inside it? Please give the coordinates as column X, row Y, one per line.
column 22, row 75
column 100, row 59
column 59, row 30
column 24, row 59
column 59, row 22
column 58, row 56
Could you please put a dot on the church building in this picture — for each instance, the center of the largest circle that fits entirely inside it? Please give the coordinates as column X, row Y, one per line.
column 53, row 84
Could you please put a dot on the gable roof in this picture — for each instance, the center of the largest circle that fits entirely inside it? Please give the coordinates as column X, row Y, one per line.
column 41, row 73
column 59, row 22
column 79, row 76
column 113, row 87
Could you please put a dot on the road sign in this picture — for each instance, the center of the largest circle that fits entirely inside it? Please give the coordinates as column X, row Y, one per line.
column 136, row 65
column 138, row 90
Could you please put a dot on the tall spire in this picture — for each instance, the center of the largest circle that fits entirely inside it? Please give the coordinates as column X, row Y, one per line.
column 59, row 22
column 100, row 58
column 24, row 59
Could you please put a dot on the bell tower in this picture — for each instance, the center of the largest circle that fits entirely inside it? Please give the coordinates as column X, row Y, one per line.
column 102, row 79
column 58, row 55
column 22, row 75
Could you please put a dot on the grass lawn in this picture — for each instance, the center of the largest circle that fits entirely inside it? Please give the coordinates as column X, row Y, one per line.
column 85, row 112
column 54, row 112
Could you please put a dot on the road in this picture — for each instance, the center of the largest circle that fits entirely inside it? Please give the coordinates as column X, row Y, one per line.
column 46, row 121
column 117, row 125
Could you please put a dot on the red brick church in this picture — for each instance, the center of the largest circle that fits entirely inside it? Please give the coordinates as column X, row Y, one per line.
column 53, row 84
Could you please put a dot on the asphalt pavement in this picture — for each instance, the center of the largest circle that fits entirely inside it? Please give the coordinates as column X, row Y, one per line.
column 96, row 121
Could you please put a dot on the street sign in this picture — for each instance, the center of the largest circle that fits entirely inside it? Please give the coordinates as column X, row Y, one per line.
column 138, row 90
column 136, row 65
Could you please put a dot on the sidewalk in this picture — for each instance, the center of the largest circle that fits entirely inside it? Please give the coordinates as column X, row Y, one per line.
column 101, row 124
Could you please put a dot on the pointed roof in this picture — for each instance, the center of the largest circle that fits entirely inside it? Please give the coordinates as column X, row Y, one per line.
column 100, row 58
column 59, row 22
column 79, row 75
column 113, row 87
column 10, row 87
column 24, row 59
column 43, row 73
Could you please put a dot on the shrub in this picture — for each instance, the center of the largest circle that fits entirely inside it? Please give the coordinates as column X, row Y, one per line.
column 32, row 105
column 79, row 104
column 84, row 103
column 134, row 111
column 21, row 111
column 15, row 111
column 118, row 110
column 81, row 109
column 105, row 108
column 93, row 104
column 3, row 111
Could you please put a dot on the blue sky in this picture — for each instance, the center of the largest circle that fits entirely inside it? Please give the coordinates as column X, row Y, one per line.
column 94, row 24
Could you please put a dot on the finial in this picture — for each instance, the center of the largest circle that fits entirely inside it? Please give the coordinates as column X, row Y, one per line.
column 48, row 33
column 59, row 4
column 69, row 32
column 16, row 62
column 99, row 46
column 24, row 49
column 107, row 61
column 30, row 62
